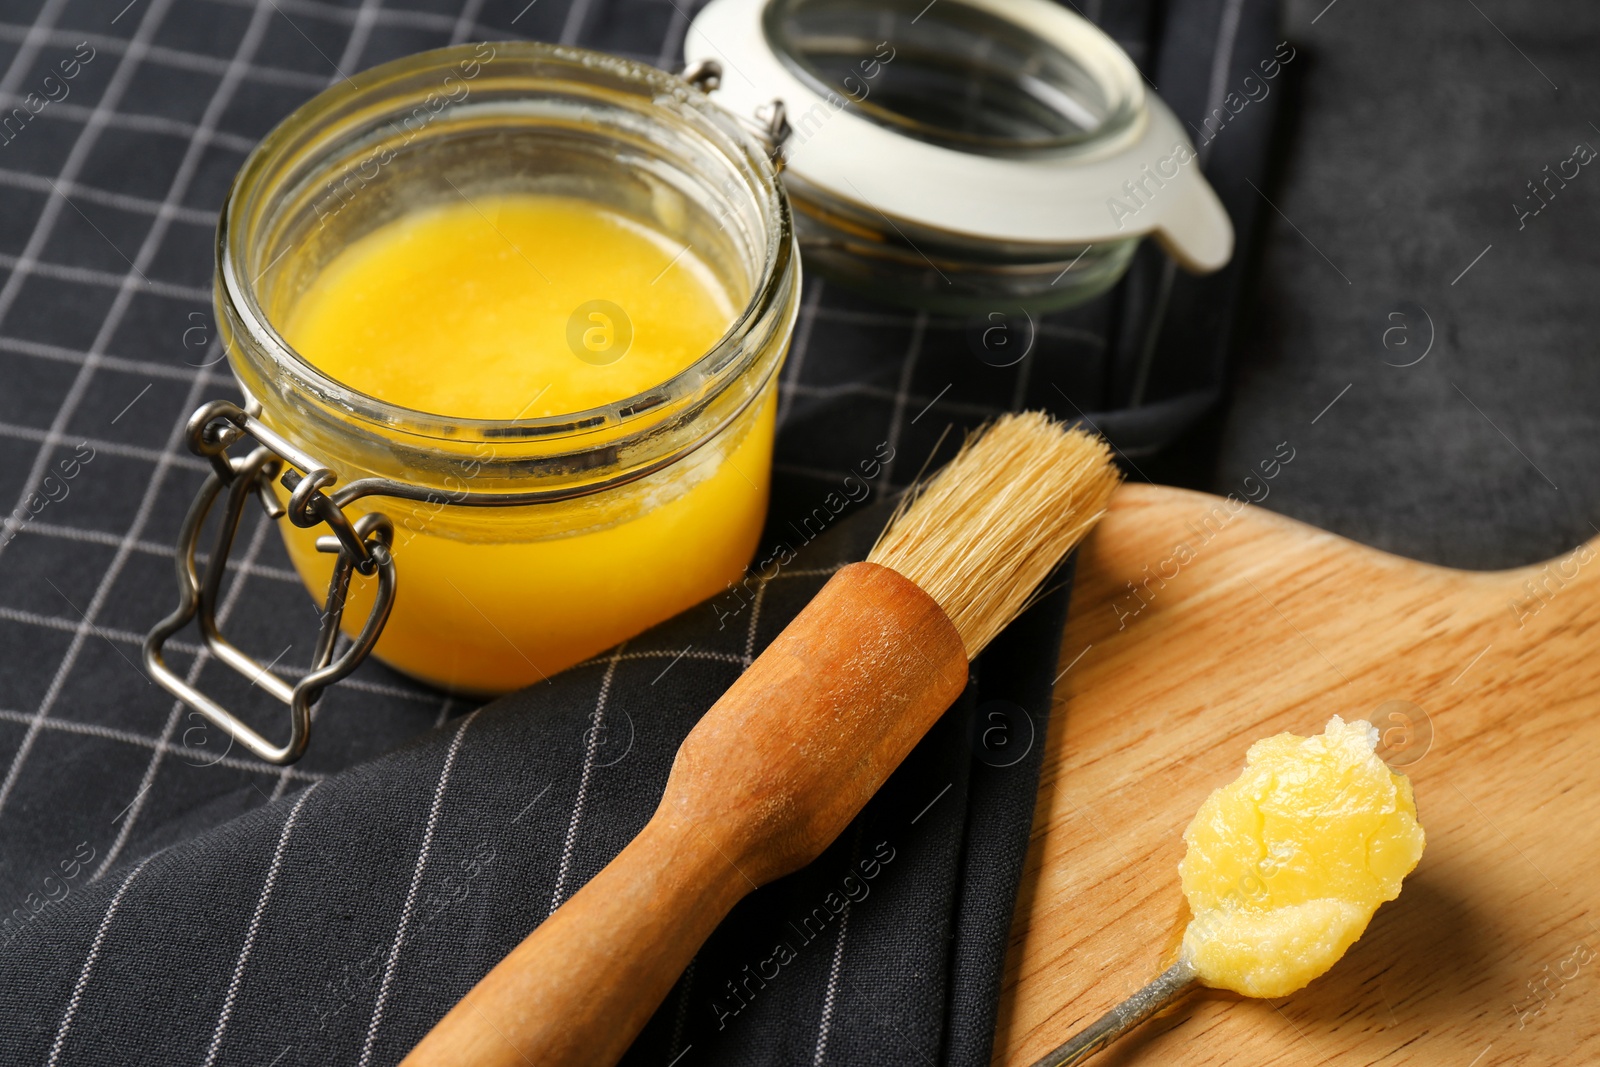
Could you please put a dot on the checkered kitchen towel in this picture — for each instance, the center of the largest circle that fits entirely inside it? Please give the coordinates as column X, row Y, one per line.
column 168, row 900
column 339, row 923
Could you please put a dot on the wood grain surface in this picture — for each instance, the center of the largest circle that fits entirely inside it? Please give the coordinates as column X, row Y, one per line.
column 1247, row 624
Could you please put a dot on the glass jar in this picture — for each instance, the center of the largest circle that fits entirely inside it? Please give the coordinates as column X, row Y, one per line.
column 518, row 547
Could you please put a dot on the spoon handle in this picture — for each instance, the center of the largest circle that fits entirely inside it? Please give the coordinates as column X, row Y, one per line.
column 1167, row 989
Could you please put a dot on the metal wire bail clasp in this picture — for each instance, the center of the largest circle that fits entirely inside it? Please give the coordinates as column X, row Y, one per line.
column 362, row 545
column 770, row 122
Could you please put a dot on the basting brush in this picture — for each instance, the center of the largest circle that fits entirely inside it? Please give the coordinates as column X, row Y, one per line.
column 793, row 750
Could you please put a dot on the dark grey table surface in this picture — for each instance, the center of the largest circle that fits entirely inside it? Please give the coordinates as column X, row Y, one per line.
column 1406, row 162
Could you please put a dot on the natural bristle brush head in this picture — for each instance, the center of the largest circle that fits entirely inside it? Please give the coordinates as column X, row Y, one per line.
column 984, row 532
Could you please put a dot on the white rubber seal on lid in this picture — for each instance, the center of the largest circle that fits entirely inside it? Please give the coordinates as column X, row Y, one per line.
column 1143, row 178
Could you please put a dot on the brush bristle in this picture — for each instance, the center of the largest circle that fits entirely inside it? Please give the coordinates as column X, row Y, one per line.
column 988, row 529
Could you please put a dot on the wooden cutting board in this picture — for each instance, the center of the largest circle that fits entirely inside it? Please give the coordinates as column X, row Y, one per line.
column 1248, row 624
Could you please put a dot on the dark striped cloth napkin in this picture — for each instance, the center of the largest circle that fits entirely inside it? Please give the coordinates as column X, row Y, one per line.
column 338, row 924
column 168, row 902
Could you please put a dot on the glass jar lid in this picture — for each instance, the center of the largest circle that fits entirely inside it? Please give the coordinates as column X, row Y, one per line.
column 1013, row 124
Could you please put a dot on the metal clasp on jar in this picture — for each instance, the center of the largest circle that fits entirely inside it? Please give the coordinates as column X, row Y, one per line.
column 770, row 122
column 362, row 545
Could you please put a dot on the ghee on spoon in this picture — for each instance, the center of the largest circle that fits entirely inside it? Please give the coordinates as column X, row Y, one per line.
column 1285, row 867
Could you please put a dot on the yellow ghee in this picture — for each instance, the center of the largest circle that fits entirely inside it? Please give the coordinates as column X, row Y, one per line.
column 466, row 311
column 1286, row 864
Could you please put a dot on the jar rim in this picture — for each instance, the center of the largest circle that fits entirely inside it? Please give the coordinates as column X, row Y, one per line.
column 724, row 358
column 1071, row 39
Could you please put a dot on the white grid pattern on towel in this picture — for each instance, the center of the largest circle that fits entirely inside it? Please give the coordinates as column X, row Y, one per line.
column 67, row 187
column 63, row 189
column 86, row 363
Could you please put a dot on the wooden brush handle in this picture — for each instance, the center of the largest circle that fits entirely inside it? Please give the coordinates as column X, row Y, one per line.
column 760, row 787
